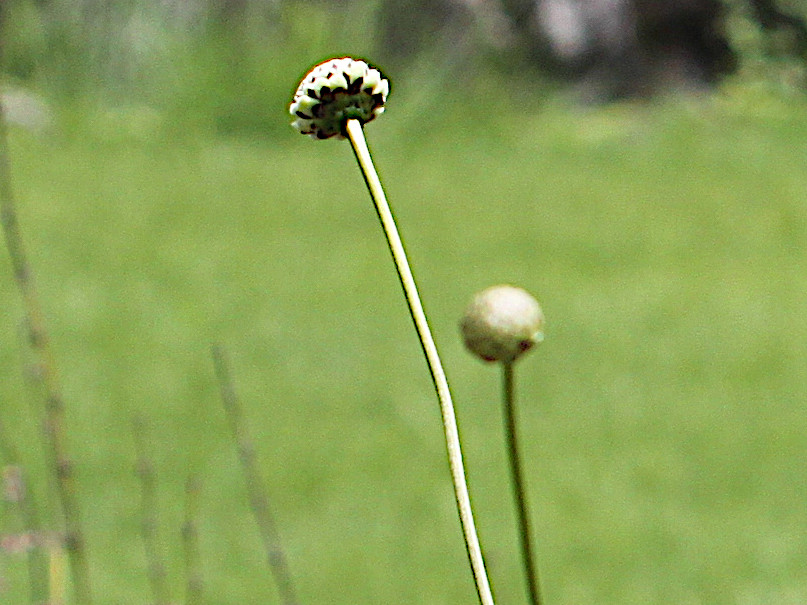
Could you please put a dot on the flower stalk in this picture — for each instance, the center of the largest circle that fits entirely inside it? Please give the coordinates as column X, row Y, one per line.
column 519, row 488
column 355, row 134
column 501, row 324
column 335, row 99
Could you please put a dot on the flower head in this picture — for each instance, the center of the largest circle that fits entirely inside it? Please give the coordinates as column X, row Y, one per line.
column 501, row 323
column 334, row 92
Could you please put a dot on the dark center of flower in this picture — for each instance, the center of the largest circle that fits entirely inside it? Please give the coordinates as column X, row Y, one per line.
column 339, row 105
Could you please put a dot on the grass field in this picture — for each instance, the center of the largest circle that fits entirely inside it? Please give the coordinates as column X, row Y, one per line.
column 663, row 420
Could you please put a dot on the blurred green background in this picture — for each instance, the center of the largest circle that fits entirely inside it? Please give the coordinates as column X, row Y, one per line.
column 167, row 205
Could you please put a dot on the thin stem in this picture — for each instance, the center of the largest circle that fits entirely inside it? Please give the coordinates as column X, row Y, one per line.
column 356, row 136
column 26, row 504
column 148, row 514
column 56, row 575
column 258, row 496
column 519, row 491
column 54, row 407
column 190, row 543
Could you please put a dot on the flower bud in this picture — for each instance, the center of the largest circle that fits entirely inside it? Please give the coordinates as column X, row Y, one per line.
column 501, row 323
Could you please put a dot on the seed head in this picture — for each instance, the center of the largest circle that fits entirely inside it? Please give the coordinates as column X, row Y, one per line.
column 501, row 323
column 334, row 92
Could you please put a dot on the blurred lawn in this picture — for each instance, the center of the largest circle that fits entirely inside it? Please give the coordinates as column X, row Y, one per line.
column 663, row 420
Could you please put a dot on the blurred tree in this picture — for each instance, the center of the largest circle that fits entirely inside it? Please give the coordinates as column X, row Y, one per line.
column 610, row 48
column 409, row 26
column 615, row 48
column 773, row 19
column 626, row 47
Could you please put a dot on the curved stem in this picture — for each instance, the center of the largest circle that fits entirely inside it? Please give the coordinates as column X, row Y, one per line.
column 519, row 491
column 356, row 136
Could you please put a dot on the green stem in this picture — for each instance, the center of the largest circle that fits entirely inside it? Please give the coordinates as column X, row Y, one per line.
column 519, row 491
column 258, row 494
column 190, row 543
column 148, row 514
column 54, row 404
column 356, row 136
column 37, row 559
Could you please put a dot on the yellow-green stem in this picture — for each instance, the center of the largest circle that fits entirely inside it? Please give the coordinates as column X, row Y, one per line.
column 519, row 490
column 356, row 136
column 54, row 404
column 26, row 504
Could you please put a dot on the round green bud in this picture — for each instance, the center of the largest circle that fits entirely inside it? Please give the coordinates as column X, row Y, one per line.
column 501, row 323
column 334, row 92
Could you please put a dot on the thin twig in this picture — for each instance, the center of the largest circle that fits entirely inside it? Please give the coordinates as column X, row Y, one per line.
column 54, row 406
column 56, row 574
column 148, row 514
column 35, row 393
column 355, row 133
column 29, row 512
column 190, row 542
column 258, row 495
column 519, row 489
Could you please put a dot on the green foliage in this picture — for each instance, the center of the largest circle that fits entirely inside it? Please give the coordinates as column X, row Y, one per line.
column 663, row 418
column 24, row 44
column 224, row 72
column 229, row 67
